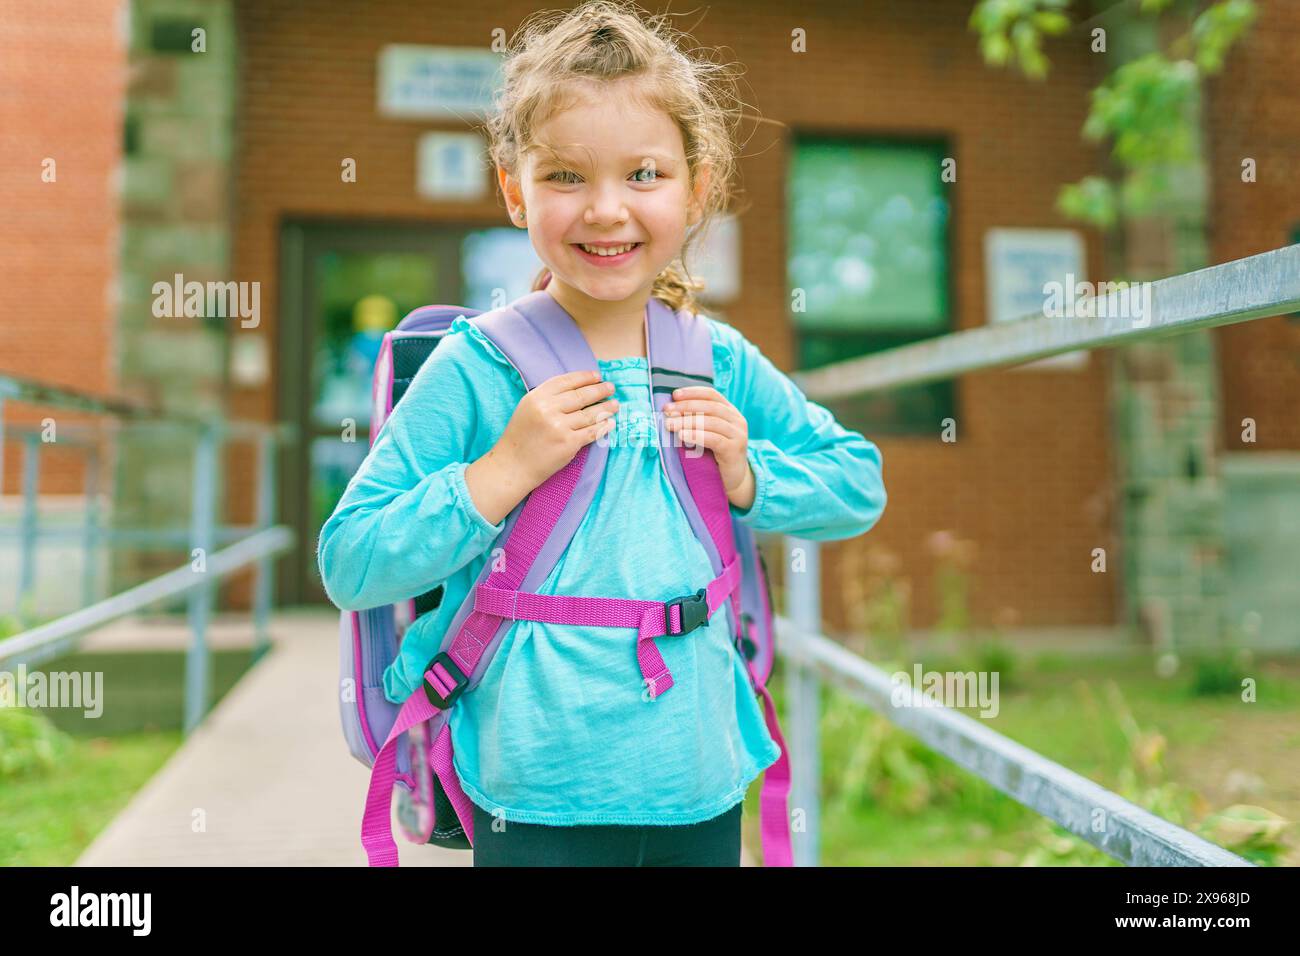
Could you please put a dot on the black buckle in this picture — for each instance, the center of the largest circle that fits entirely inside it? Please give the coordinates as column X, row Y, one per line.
column 694, row 611
column 442, row 703
column 744, row 640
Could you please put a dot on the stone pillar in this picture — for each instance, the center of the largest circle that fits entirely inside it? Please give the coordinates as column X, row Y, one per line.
column 176, row 218
column 1166, row 409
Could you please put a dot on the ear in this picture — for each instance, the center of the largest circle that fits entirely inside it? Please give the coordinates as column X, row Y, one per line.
column 509, row 189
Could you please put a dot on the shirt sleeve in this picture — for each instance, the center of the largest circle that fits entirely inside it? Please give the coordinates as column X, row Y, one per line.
column 406, row 521
column 813, row 478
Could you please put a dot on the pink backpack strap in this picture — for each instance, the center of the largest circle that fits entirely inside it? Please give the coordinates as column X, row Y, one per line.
column 540, row 340
column 680, row 348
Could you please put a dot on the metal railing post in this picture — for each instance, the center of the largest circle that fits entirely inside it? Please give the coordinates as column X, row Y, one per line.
column 27, row 566
column 203, row 511
column 803, row 601
column 90, row 533
column 267, row 448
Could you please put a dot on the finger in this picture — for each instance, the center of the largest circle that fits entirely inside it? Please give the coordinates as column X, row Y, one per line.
column 722, row 409
column 703, row 437
column 593, row 414
column 589, row 434
column 696, row 442
column 697, row 391
column 568, row 380
column 703, row 423
column 576, row 398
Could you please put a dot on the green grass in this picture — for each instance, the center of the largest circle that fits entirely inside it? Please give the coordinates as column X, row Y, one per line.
column 887, row 800
column 48, row 819
column 50, row 814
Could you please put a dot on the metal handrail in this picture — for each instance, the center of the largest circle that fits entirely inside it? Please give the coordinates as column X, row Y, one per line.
column 1132, row 834
column 32, row 392
column 1255, row 287
column 204, row 533
column 54, row 637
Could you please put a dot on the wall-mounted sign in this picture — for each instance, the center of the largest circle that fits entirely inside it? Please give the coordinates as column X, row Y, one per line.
column 436, row 82
column 1018, row 264
column 715, row 260
column 450, row 166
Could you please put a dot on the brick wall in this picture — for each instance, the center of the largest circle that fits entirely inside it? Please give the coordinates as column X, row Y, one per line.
column 63, row 73
column 1255, row 114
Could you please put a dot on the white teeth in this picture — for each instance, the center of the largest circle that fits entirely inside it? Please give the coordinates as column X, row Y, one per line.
column 610, row 251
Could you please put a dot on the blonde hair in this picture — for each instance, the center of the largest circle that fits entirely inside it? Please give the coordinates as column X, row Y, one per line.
column 606, row 40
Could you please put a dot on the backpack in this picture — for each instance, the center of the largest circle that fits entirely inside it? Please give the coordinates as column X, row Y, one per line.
column 408, row 747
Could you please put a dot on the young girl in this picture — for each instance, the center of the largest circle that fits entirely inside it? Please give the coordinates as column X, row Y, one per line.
column 609, row 143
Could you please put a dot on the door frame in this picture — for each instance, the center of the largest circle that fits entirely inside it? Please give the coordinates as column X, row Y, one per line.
column 302, row 241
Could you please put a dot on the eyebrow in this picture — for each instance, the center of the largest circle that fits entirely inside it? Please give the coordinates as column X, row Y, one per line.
column 660, row 159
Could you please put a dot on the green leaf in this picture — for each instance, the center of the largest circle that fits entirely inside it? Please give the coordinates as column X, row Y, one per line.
column 1217, row 28
column 997, row 49
column 1051, row 22
column 1243, row 825
column 1091, row 200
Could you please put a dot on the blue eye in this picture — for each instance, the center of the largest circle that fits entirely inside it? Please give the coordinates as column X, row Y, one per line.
column 648, row 169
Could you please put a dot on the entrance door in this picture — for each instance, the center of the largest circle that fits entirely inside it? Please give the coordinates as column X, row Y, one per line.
column 345, row 285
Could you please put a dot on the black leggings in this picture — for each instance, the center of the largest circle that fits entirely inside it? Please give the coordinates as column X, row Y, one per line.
column 714, row 842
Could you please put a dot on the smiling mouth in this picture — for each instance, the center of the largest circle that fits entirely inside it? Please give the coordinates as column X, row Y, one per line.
column 608, row 252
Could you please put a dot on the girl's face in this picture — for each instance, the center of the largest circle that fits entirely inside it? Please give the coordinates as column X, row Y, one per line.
column 615, row 175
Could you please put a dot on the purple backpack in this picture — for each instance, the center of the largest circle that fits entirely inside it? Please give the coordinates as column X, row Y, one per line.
column 408, row 746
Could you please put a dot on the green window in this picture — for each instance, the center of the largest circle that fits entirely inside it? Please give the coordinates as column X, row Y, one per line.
column 869, row 252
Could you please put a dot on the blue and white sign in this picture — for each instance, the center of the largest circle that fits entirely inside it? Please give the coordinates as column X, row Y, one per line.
column 1018, row 266
column 451, row 166
column 437, row 82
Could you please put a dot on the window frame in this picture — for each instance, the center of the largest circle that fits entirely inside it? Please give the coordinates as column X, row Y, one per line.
column 948, row 389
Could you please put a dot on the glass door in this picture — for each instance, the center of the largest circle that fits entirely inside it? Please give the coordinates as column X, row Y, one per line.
column 344, row 286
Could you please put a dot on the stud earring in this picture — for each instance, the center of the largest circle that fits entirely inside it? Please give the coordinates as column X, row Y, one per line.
column 522, row 215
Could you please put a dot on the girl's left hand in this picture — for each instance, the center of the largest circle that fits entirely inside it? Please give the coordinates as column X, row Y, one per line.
column 701, row 416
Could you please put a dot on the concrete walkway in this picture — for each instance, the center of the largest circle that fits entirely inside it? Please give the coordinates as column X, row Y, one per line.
column 267, row 779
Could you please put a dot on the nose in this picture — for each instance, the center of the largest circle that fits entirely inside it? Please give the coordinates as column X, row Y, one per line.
column 607, row 206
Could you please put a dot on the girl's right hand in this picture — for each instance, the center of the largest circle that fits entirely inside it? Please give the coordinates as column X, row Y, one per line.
column 554, row 421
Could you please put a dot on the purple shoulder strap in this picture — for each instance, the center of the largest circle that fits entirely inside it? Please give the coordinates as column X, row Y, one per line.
column 541, row 340
column 681, row 353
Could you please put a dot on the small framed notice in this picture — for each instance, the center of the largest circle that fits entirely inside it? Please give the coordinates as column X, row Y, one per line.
column 450, row 166
column 1020, row 265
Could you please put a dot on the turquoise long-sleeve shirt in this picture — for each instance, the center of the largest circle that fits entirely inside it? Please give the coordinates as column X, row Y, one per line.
column 558, row 730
